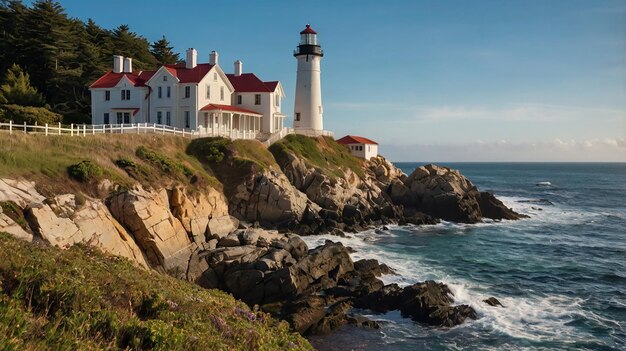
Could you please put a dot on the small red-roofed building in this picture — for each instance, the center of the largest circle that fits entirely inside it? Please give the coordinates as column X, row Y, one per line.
column 360, row 146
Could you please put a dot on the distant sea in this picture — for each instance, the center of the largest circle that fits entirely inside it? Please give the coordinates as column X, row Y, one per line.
column 561, row 274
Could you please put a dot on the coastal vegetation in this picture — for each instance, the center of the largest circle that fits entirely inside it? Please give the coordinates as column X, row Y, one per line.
column 82, row 299
column 324, row 154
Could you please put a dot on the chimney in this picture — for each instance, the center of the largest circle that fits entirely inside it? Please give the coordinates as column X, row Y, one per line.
column 238, row 68
column 117, row 63
column 192, row 58
column 128, row 65
column 213, row 58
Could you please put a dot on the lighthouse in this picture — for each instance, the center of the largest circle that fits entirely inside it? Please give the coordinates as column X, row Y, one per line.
column 308, row 102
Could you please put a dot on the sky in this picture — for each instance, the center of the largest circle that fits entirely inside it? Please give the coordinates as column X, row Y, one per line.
column 498, row 80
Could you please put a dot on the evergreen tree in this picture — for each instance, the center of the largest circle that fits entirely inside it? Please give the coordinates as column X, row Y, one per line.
column 162, row 51
column 129, row 44
column 16, row 89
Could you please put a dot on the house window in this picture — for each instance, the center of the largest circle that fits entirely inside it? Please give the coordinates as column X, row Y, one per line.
column 107, row 95
column 160, row 94
column 125, row 94
column 187, row 92
column 120, row 118
column 159, row 117
column 215, row 77
column 297, row 116
column 126, row 117
column 168, row 118
column 239, row 99
column 257, row 99
column 106, row 118
column 187, row 120
column 208, row 91
column 222, row 93
column 165, row 78
column 276, row 99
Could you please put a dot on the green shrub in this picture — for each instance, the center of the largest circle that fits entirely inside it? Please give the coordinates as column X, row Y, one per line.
column 29, row 114
column 212, row 150
column 85, row 171
column 166, row 164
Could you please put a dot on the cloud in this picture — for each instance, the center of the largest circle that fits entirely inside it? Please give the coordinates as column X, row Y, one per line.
column 517, row 112
column 535, row 112
column 591, row 150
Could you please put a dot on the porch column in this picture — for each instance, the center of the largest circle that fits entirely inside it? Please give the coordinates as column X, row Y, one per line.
column 212, row 123
column 230, row 125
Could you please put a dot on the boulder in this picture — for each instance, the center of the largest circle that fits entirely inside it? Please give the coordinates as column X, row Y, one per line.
column 428, row 302
column 57, row 231
column 8, row 225
column 22, row 192
column 160, row 235
column 195, row 212
column 229, row 241
column 268, row 197
column 492, row 301
column 493, row 208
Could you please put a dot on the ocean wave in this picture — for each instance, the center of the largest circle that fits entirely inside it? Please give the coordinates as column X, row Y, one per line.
column 531, row 317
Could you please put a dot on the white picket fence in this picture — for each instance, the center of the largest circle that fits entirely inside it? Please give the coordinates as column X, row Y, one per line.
column 145, row 128
column 138, row 128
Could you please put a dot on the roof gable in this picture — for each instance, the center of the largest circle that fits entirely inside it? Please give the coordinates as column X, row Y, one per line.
column 110, row 79
column 189, row 75
column 353, row 139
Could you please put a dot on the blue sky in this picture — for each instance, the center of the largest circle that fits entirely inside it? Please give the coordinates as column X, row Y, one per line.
column 429, row 80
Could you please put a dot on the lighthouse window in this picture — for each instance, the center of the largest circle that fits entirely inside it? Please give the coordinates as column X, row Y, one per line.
column 297, row 116
column 257, row 99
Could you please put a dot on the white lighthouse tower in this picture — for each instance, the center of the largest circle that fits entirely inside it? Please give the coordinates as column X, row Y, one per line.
column 308, row 105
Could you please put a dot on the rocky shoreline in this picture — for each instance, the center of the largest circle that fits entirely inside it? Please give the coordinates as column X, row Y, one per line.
column 245, row 237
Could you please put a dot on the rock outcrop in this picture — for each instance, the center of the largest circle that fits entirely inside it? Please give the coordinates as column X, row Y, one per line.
column 268, row 197
column 445, row 193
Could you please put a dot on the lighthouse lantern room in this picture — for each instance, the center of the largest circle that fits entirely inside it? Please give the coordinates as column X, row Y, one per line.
column 308, row 100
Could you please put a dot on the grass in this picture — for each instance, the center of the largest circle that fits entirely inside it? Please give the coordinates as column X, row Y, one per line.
column 323, row 153
column 13, row 211
column 45, row 160
column 80, row 299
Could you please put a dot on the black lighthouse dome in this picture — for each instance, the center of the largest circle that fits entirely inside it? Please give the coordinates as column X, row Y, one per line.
column 308, row 43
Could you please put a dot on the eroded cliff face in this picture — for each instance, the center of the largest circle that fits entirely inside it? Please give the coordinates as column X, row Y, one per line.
column 242, row 239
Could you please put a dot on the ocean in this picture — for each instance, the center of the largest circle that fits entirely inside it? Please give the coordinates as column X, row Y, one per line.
column 560, row 274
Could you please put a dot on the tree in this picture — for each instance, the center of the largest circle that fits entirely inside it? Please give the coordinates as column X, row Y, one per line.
column 162, row 51
column 16, row 89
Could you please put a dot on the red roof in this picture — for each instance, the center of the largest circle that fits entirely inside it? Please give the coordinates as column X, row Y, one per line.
column 215, row 107
column 189, row 75
column 352, row 139
column 249, row 83
column 308, row 30
column 110, row 79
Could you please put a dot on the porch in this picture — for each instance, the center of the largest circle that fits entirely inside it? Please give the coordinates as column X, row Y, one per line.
column 228, row 121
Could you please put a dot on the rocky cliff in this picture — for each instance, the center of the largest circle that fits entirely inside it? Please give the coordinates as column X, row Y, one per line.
column 225, row 215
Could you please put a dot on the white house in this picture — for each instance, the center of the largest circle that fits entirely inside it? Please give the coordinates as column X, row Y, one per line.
column 359, row 146
column 190, row 95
